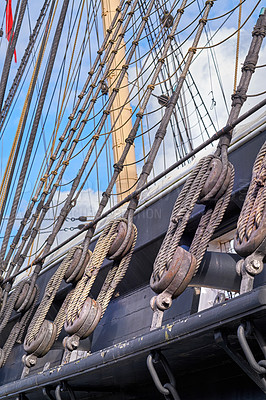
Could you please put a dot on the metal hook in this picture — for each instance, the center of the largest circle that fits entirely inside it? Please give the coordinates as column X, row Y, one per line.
column 168, row 389
column 57, row 392
column 61, row 387
column 241, row 334
column 47, row 394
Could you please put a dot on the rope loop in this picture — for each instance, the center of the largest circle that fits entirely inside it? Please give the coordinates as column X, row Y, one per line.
column 16, row 301
column 117, row 243
column 210, row 183
column 203, row 21
column 192, row 50
column 65, row 270
column 251, row 225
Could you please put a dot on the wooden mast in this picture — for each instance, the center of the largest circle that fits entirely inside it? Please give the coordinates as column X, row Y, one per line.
column 128, row 176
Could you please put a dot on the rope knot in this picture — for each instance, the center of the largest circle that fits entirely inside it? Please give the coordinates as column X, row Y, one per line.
column 192, row 50
column 118, row 167
column 239, row 97
column 44, row 178
column 203, row 21
column 259, row 31
column 250, row 64
column 129, row 140
column 140, row 113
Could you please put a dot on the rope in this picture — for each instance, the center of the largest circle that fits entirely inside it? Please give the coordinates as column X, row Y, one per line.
column 11, row 49
column 103, row 245
column 23, row 63
column 18, row 138
column 115, row 274
column 184, row 205
column 9, row 307
column 48, row 297
column 6, row 181
column 250, row 223
column 89, row 226
column 17, row 331
column 100, row 252
column 114, row 277
column 237, row 44
column 228, row 37
column 37, row 117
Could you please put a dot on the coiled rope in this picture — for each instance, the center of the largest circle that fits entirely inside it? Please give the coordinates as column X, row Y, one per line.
column 49, row 295
column 14, row 303
column 181, row 213
column 114, row 276
column 251, row 225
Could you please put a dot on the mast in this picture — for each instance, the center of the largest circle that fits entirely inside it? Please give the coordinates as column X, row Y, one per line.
column 120, row 120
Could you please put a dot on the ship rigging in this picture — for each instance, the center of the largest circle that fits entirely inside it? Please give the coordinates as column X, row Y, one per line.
column 116, row 92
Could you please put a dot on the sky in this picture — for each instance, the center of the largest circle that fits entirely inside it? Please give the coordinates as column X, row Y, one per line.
column 207, row 63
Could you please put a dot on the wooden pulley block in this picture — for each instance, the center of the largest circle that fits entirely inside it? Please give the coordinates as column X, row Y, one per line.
column 43, row 341
column 119, row 240
column 85, row 323
column 214, row 184
column 256, row 242
column 177, row 275
column 74, row 271
column 22, row 296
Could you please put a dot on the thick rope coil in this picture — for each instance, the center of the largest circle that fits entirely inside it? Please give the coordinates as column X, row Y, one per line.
column 210, row 221
column 12, row 301
column 48, row 297
column 114, row 276
column 200, row 187
column 251, row 225
column 61, row 315
column 16, row 333
column 42, row 333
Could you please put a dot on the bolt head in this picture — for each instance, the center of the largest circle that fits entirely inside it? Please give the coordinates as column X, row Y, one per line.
column 255, row 264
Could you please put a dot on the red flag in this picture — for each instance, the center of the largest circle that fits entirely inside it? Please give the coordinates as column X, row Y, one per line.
column 9, row 23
